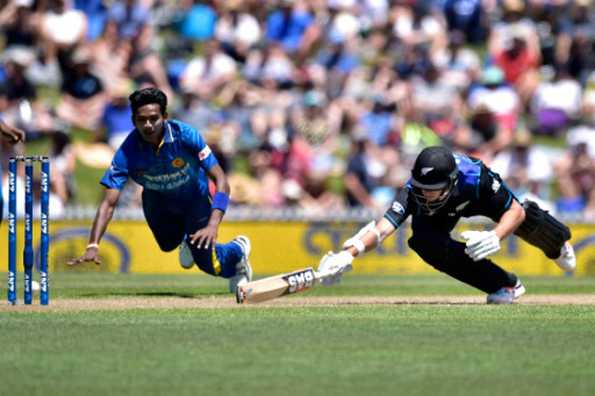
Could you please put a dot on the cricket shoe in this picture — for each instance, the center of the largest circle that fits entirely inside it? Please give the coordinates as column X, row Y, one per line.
column 243, row 268
column 507, row 295
column 567, row 259
column 185, row 255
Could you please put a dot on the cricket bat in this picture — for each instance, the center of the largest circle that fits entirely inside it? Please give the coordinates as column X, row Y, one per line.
column 277, row 286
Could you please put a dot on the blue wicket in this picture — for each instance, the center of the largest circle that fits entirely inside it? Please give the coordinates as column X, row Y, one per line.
column 45, row 224
column 12, row 231
column 28, row 251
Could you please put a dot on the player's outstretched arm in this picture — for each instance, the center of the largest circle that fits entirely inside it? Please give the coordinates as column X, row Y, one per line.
column 14, row 135
column 102, row 219
column 206, row 236
column 333, row 265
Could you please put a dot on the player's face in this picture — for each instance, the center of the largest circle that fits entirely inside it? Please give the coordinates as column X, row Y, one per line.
column 148, row 120
column 432, row 195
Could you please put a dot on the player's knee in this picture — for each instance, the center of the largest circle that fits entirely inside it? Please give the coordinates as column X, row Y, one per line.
column 426, row 248
column 421, row 243
column 167, row 246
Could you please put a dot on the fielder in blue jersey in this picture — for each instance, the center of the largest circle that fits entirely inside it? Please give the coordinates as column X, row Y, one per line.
column 12, row 135
column 443, row 188
column 172, row 162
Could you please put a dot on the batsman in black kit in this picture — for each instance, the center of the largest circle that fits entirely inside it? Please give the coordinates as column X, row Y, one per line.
column 443, row 188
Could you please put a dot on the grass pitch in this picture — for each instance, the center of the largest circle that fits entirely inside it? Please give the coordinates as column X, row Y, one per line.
column 297, row 348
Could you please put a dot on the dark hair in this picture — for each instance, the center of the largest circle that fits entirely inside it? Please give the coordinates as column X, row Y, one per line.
column 147, row 96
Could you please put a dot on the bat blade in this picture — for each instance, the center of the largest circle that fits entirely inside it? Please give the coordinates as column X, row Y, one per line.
column 276, row 286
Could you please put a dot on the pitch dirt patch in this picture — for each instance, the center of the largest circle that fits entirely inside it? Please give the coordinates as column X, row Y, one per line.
column 123, row 303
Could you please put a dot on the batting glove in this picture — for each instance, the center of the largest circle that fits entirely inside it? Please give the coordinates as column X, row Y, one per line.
column 333, row 265
column 480, row 244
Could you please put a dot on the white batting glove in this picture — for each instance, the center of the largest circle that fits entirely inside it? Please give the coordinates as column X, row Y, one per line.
column 333, row 265
column 480, row 244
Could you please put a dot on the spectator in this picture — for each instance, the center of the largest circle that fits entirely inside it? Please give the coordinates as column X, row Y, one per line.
column 237, row 30
column 577, row 41
column 292, row 26
column 417, row 24
column 83, row 97
column 460, row 66
column 589, row 99
column 116, row 120
column 525, row 168
column 556, row 103
column 207, row 74
column 515, row 49
column 364, row 173
column 199, row 20
column 575, row 174
column 63, row 26
column 468, row 17
column 18, row 24
column 111, row 57
column 130, row 18
column 63, row 167
column 501, row 101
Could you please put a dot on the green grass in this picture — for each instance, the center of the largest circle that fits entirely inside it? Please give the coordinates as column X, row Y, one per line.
column 315, row 350
column 98, row 285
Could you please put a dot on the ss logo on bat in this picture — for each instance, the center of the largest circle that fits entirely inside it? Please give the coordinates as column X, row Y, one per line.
column 300, row 280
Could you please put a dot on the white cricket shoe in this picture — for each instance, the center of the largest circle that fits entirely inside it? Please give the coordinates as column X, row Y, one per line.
column 185, row 255
column 243, row 268
column 567, row 259
column 507, row 295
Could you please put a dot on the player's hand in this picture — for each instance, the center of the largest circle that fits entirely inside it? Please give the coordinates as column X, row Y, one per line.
column 13, row 134
column 91, row 255
column 204, row 237
column 333, row 265
column 480, row 244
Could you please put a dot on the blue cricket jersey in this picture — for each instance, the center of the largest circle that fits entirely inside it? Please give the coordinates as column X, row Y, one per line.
column 173, row 175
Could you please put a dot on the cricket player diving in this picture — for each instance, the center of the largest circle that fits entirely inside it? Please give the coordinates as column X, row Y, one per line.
column 172, row 163
column 443, row 188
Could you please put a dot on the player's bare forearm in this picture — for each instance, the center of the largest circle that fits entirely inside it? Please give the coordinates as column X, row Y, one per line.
column 102, row 219
column 14, row 135
column 207, row 236
column 218, row 176
column 104, row 215
column 216, row 218
column 510, row 220
column 382, row 229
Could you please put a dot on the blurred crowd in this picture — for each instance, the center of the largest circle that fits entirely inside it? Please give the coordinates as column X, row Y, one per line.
column 318, row 104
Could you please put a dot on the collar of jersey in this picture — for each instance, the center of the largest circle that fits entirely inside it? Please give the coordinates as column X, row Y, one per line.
column 168, row 137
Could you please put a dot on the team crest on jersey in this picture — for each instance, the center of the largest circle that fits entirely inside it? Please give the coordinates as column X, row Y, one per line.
column 178, row 162
column 398, row 208
column 495, row 185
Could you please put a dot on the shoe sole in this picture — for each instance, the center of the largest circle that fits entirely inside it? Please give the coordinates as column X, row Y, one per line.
column 189, row 253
